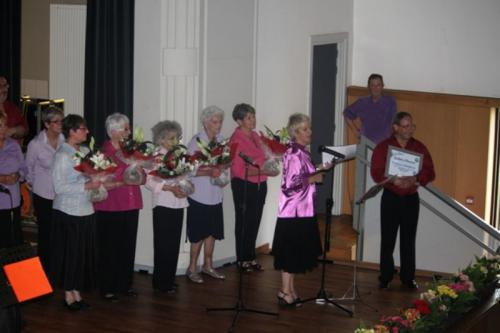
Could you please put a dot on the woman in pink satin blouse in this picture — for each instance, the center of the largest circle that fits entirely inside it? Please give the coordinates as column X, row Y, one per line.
column 296, row 244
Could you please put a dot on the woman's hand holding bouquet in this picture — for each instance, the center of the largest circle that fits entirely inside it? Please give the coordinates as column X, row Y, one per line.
column 215, row 158
column 98, row 168
column 175, row 167
column 139, row 155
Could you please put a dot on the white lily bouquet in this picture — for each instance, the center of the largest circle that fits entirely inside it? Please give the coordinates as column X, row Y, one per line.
column 97, row 167
column 216, row 155
column 175, row 167
column 139, row 155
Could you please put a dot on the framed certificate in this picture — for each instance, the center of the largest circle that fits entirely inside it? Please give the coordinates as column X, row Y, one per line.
column 402, row 162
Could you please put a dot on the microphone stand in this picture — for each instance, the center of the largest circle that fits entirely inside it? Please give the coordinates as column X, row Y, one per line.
column 322, row 296
column 240, row 307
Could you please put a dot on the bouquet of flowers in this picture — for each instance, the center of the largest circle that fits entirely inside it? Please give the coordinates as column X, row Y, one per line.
column 138, row 154
column 96, row 166
column 175, row 167
column 216, row 155
column 274, row 145
column 442, row 298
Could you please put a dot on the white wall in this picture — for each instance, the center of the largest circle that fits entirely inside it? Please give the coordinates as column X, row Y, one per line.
column 448, row 46
column 284, row 35
column 268, row 66
column 229, row 69
column 147, row 110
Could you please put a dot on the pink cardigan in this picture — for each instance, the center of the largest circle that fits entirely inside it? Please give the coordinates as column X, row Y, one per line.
column 251, row 148
column 127, row 197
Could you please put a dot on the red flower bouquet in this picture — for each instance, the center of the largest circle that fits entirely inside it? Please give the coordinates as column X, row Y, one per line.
column 176, row 166
column 216, row 155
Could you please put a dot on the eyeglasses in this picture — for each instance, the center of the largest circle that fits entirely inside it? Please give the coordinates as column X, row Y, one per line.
column 83, row 128
column 56, row 121
column 412, row 126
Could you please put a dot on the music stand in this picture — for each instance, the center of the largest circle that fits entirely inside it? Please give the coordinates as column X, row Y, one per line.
column 240, row 306
column 356, row 295
column 322, row 295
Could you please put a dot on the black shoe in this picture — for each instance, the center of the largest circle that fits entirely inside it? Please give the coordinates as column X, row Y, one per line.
column 170, row 291
column 246, row 267
column 412, row 284
column 75, row 306
column 83, row 305
column 131, row 293
column 383, row 285
column 110, row 297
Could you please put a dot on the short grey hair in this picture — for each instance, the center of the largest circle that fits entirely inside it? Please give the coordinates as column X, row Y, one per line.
column 294, row 123
column 240, row 111
column 164, row 129
column 116, row 122
column 209, row 112
column 51, row 113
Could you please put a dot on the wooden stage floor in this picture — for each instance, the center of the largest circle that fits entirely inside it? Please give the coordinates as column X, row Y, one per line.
column 186, row 311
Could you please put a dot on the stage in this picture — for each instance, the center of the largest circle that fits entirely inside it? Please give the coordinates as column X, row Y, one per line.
column 186, row 311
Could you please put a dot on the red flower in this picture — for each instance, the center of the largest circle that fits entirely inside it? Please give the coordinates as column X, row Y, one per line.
column 275, row 146
column 422, row 307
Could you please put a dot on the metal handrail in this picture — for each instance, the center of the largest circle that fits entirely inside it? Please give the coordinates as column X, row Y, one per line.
column 469, row 215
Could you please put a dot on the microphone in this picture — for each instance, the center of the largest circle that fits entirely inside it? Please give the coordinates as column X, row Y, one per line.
column 323, row 149
column 4, row 189
column 248, row 159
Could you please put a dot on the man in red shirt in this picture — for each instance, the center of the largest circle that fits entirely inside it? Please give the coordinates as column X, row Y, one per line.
column 18, row 127
column 400, row 201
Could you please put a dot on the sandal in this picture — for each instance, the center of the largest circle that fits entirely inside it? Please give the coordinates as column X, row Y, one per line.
column 246, row 266
column 213, row 273
column 194, row 277
column 256, row 266
column 285, row 299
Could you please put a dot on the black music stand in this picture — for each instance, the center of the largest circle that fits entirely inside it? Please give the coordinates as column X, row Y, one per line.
column 240, row 307
column 322, row 297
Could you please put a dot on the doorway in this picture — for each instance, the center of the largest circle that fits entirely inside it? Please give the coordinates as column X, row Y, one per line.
column 327, row 100
column 323, row 112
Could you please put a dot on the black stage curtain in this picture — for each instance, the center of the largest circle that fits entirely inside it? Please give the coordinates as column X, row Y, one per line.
column 10, row 55
column 109, row 62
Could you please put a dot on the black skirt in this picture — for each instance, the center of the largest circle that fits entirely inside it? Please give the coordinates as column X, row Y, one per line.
column 296, row 244
column 203, row 221
column 73, row 255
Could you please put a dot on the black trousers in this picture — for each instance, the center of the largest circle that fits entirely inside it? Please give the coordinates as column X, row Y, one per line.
column 248, row 216
column 10, row 227
column 116, row 240
column 43, row 210
column 398, row 212
column 167, row 228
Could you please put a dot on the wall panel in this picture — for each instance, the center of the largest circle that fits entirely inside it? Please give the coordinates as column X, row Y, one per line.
column 455, row 129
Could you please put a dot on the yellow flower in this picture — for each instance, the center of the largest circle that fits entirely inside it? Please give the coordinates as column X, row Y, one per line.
column 447, row 291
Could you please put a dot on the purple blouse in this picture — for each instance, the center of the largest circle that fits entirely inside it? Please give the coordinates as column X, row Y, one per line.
column 297, row 195
column 11, row 161
column 39, row 160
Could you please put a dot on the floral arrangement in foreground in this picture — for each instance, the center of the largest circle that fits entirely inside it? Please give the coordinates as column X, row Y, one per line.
column 442, row 299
